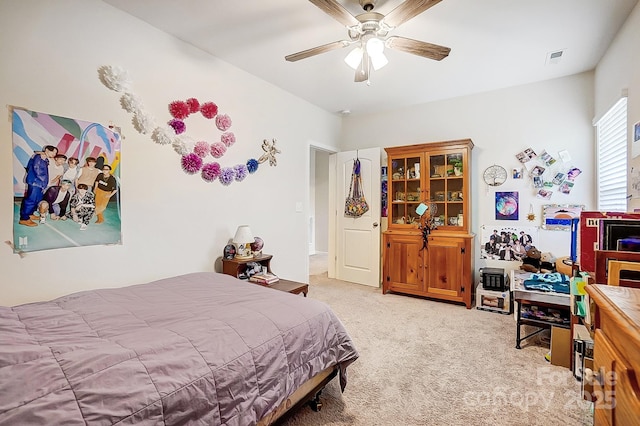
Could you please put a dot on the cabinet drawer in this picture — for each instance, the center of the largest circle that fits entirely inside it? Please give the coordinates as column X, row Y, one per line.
column 616, row 388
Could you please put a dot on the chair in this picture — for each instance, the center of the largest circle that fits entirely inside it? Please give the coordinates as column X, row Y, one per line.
column 602, row 259
column 616, row 266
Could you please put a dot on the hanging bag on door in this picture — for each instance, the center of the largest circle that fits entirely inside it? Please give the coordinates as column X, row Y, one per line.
column 355, row 205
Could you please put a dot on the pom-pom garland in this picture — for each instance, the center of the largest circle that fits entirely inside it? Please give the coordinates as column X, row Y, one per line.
column 177, row 126
column 192, row 153
column 115, row 78
column 161, row 136
column 209, row 110
column 131, row 103
column 179, row 110
column 142, row 122
column 194, row 105
column 223, row 122
column 218, row 149
column 210, row 171
column 241, row 171
column 228, row 138
column 252, row 165
column 226, row 175
column 201, row 149
column 191, row 163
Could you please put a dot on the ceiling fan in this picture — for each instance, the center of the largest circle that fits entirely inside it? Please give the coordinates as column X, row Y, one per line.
column 369, row 33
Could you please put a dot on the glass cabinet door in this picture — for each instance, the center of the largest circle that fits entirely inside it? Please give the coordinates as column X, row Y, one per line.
column 404, row 191
column 446, row 187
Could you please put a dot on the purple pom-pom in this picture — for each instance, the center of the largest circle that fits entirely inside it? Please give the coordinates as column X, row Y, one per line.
column 241, row 171
column 226, row 175
column 191, row 163
column 178, row 126
column 252, row 165
column 210, row 171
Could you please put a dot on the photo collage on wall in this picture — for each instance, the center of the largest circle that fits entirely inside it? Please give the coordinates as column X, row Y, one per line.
column 548, row 174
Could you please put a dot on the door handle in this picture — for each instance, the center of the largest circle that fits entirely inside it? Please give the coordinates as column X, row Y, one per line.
column 375, row 224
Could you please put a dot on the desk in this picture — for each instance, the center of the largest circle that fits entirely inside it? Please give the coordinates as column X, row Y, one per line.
column 552, row 302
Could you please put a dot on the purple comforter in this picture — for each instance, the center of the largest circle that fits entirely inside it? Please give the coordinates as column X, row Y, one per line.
column 202, row 348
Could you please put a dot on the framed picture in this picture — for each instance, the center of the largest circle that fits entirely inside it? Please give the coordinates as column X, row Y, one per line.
column 507, row 205
column 557, row 217
column 636, row 132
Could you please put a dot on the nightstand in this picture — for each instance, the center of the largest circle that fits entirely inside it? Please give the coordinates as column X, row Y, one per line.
column 235, row 267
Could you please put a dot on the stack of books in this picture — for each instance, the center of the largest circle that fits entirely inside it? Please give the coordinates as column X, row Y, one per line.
column 264, row 278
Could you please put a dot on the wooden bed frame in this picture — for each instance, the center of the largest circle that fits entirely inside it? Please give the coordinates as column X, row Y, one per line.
column 309, row 392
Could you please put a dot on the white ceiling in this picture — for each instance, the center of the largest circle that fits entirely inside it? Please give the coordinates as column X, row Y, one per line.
column 494, row 44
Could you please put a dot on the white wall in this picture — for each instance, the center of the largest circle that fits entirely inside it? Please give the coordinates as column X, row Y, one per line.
column 322, row 201
column 553, row 115
column 619, row 72
column 172, row 223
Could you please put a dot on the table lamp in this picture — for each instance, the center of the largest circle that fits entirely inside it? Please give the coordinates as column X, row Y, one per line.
column 242, row 241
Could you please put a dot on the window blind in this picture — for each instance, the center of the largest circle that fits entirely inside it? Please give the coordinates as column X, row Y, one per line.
column 611, row 140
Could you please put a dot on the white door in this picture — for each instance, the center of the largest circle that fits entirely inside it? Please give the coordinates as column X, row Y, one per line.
column 357, row 240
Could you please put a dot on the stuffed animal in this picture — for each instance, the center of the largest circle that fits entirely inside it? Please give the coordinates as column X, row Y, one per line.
column 547, row 262
column 531, row 262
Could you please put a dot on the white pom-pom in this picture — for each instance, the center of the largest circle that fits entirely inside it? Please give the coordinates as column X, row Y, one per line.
column 162, row 135
column 180, row 147
column 131, row 103
column 142, row 122
column 115, row 78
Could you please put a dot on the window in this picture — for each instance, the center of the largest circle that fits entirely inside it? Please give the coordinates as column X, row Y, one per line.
column 611, row 141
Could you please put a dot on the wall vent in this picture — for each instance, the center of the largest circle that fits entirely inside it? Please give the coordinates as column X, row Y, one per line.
column 555, row 56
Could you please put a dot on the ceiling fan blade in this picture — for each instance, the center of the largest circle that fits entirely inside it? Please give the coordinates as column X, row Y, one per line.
column 420, row 48
column 362, row 73
column 407, row 10
column 337, row 12
column 316, row 50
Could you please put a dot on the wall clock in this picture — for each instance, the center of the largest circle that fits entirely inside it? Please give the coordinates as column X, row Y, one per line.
column 495, row 175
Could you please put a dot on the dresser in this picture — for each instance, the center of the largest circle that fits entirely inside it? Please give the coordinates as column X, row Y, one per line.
column 616, row 358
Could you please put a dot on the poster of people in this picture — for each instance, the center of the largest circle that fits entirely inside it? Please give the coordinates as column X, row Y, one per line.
column 66, row 182
column 509, row 243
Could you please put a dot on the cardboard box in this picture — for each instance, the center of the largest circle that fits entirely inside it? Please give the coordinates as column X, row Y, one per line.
column 590, row 235
column 561, row 346
column 496, row 301
column 587, row 386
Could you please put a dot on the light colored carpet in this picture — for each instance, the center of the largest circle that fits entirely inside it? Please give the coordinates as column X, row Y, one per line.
column 318, row 263
column 424, row 362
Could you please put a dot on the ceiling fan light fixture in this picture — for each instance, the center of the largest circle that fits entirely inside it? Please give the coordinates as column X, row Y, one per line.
column 378, row 61
column 375, row 46
column 375, row 49
column 354, row 58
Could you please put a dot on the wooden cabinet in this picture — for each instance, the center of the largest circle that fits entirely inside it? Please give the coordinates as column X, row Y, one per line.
column 404, row 251
column 436, row 174
column 616, row 356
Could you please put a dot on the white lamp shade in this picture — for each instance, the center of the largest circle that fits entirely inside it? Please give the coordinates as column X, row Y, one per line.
column 243, row 235
column 378, row 61
column 375, row 49
column 354, row 58
column 375, row 46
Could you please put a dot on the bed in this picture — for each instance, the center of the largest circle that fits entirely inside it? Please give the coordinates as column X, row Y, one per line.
column 201, row 348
